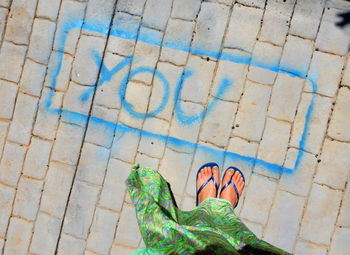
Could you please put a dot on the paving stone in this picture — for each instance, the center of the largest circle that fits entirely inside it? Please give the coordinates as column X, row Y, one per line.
column 2, row 242
column 175, row 168
column 254, row 3
column 85, row 68
column 243, row 157
column 344, row 215
column 98, row 17
column 256, row 228
column 11, row 61
column 259, row 198
column 147, row 161
column 23, row 119
column 306, row 18
column 298, row 180
column 146, row 55
column 20, row 19
column 285, row 96
column 7, row 196
column 346, row 74
column 273, row 147
column 188, row 203
column 92, row 164
column 204, row 153
column 153, row 140
column 74, row 102
column 5, row 3
column 252, row 107
column 283, row 225
column 74, row 11
column 114, row 187
column 244, row 21
column 211, row 23
column 265, row 57
column 303, row 248
column 128, row 232
column 185, row 9
column 101, row 126
column 108, row 92
column 102, row 231
column 118, row 42
column 3, row 17
column 70, row 245
column 316, row 122
column 340, row 167
column 340, row 241
column 41, row 40
column 11, row 163
column 177, row 41
column 3, row 134
column 325, row 71
column 131, row 6
column 27, row 198
column 8, row 93
column 276, row 21
column 47, row 121
column 339, row 127
column 162, row 8
column 46, row 233
column 158, row 95
column 188, row 131
column 18, row 236
column 233, row 72
column 80, row 209
column 32, row 78
column 121, row 250
column 217, row 130
column 68, row 142
column 319, row 217
column 61, row 80
column 338, row 4
column 296, row 55
column 331, row 38
column 48, row 9
column 196, row 87
column 56, row 190
column 139, row 103
column 125, row 144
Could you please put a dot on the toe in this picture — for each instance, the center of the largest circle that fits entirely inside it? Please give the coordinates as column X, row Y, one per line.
column 228, row 176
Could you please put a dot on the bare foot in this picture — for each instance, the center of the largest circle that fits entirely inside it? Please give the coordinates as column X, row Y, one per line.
column 209, row 189
column 229, row 192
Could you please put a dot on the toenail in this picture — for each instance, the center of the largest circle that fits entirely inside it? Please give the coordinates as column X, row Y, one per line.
column 231, row 171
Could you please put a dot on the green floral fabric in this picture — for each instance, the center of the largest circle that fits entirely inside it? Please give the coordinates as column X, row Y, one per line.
column 211, row 228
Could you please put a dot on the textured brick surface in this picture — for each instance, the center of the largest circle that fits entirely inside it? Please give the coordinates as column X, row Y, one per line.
column 330, row 37
column 322, row 202
column 283, row 222
column 18, row 236
column 340, row 241
column 88, row 88
column 23, row 119
column 339, row 128
column 253, row 107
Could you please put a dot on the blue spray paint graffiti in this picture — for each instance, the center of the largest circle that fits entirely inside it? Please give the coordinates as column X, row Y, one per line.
column 107, row 74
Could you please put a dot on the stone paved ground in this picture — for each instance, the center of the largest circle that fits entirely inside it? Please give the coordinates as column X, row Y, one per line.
column 262, row 85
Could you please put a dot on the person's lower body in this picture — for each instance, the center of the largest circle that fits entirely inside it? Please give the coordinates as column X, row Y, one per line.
column 211, row 228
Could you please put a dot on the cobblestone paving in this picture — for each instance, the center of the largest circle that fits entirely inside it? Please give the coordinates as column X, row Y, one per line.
column 88, row 88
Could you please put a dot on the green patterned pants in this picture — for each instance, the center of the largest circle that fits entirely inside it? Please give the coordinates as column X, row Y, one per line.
column 211, row 228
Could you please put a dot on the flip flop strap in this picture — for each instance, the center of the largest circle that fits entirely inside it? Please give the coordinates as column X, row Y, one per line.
column 234, row 186
column 203, row 185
